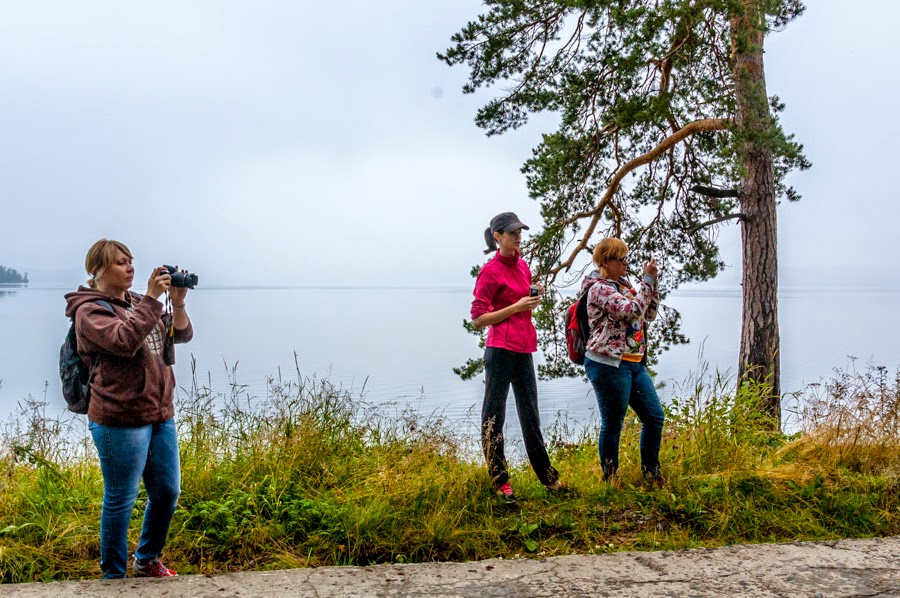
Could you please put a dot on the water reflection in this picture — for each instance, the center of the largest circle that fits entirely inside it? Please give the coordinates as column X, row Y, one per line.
column 7, row 289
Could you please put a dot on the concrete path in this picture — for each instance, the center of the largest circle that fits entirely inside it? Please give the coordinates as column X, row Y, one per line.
column 840, row 568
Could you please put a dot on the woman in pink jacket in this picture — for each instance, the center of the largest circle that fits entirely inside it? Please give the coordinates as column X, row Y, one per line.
column 503, row 302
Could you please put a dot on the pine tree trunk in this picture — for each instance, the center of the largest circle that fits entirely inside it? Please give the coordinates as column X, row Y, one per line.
column 759, row 358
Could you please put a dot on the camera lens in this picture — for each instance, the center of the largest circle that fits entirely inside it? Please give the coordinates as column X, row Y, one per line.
column 183, row 280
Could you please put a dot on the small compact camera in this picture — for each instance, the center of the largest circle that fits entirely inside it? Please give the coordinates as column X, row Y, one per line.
column 183, row 280
column 534, row 291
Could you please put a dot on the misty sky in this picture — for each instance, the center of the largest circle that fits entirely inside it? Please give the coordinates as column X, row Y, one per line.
column 294, row 142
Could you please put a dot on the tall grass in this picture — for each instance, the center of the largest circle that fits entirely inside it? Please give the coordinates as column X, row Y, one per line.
column 852, row 421
column 310, row 475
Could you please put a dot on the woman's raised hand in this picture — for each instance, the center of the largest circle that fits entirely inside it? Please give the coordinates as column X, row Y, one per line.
column 159, row 282
column 651, row 269
column 178, row 293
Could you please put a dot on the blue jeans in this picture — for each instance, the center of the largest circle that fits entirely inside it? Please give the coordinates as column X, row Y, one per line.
column 616, row 389
column 127, row 455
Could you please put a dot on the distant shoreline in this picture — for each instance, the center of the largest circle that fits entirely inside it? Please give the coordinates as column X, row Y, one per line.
column 692, row 291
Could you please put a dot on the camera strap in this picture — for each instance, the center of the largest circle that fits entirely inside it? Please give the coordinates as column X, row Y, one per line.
column 168, row 317
column 168, row 320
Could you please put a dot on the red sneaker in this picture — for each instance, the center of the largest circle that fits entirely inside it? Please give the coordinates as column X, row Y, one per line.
column 152, row 569
column 506, row 493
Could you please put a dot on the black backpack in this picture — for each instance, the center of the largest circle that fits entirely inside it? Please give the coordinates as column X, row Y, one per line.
column 74, row 373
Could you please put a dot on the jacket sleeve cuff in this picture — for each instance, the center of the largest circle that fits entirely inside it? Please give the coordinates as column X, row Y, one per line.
column 184, row 335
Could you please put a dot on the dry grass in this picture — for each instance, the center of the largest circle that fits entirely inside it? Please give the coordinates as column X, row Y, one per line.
column 309, row 475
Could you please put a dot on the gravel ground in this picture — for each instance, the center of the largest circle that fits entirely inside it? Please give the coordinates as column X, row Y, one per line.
column 815, row 569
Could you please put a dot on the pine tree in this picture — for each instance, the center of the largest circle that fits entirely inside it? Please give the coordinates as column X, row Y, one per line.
column 666, row 133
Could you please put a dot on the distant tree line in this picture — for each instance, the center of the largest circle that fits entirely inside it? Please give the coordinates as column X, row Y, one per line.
column 11, row 276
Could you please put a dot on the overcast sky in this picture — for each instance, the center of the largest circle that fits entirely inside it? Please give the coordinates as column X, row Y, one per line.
column 294, row 142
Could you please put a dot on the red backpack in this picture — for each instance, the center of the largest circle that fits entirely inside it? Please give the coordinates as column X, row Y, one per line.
column 577, row 329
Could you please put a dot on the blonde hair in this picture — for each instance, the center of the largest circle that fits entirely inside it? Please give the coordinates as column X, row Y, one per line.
column 100, row 256
column 609, row 249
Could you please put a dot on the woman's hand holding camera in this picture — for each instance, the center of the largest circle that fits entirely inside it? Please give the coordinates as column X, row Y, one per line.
column 178, row 293
column 160, row 282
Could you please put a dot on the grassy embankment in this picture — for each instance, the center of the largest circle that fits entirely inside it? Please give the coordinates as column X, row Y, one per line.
column 312, row 477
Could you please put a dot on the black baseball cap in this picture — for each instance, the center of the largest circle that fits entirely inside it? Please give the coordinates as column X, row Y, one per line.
column 506, row 222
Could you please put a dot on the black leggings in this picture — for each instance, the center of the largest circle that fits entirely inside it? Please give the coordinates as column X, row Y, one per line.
column 502, row 368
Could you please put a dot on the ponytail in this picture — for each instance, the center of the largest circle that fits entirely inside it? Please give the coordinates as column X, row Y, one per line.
column 490, row 240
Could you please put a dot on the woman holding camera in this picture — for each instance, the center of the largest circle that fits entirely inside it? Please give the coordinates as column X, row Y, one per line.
column 503, row 302
column 614, row 356
column 121, row 336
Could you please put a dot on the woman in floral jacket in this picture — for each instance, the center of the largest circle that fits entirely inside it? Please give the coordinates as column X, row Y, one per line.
column 614, row 359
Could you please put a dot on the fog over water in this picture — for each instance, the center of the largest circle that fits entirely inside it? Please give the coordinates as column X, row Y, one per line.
column 398, row 345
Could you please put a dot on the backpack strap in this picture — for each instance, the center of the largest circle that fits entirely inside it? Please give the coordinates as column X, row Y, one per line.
column 582, row 312
column 102, row 303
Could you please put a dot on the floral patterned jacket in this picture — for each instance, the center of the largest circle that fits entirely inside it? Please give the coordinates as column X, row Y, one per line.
column 616, row 314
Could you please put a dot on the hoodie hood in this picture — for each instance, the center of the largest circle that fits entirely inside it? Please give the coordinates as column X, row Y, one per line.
column 86, row 295
column 588, row 281
column 594, row 276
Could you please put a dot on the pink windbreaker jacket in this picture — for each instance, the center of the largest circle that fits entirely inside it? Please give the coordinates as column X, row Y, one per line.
column 501, row 282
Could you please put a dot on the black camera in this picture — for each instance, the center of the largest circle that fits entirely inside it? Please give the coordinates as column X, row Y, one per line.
column 182, row 280
column 534, row 291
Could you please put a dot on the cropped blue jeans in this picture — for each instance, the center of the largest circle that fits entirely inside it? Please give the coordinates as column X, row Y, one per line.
column 126, row 456
column 616, row 389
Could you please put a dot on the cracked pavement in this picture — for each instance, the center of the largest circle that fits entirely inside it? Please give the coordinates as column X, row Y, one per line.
column 816, row 569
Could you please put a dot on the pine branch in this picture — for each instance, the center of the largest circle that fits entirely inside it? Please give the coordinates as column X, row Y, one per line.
column 714, row 191
column 739, row 215
column 698, row 126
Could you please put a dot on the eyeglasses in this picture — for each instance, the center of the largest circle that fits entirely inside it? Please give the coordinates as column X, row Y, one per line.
column 623, row 259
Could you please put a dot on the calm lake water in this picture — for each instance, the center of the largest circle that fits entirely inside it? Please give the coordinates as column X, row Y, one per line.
column 398, row 345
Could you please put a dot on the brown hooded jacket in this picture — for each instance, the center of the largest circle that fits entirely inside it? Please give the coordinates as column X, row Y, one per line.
column 131, row 385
